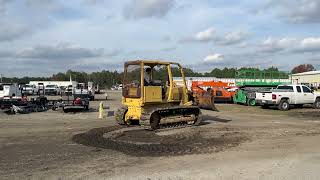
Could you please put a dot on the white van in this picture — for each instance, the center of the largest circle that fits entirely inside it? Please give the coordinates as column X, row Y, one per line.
column 9, row 90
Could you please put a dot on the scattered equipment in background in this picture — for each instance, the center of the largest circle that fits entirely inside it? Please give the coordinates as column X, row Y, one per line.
column 252, row 81
column 21, row 105
column 221, row 91
column 73, row 103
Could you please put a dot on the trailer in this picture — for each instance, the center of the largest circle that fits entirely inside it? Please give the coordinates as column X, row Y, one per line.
column 9, row 90
column 76, row 105
column 22, row 105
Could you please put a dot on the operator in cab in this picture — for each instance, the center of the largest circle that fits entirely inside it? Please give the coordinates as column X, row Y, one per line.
column 147, row 77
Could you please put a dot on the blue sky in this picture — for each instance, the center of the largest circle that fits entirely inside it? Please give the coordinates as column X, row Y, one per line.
column 42, row 37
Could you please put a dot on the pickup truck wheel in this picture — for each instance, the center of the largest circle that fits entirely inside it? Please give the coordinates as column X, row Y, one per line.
column 284, row 105
column 316, row 104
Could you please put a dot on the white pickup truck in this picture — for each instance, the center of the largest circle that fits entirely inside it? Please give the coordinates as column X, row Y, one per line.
column 52, row 90
column 30, row 89
column 83, row 91
column 285, row 95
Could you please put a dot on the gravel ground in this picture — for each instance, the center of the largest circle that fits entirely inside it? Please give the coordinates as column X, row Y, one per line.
column 238, row 142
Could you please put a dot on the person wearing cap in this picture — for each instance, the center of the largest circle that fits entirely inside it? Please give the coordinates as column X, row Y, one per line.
column 147, row 77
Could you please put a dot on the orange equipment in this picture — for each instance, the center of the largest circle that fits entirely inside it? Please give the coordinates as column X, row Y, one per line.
column 222, row 92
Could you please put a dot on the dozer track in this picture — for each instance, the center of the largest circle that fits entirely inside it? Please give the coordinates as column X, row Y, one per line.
column 163, row 118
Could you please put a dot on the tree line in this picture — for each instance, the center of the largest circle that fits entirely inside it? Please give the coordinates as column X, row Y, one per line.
column 106, row 79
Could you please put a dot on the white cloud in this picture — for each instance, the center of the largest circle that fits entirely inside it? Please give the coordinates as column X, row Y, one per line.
column 59, row 51
column 214, row 58
column 235, row 60
column 297, row 11
column 206, row 35
column 271, row 45
column 310, row 44
column 305, row 11
column 137, row 9
column 289, row 45
column 232, row 38
column 211, row 35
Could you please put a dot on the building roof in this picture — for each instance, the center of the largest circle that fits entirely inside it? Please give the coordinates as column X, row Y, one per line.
column 307, row 73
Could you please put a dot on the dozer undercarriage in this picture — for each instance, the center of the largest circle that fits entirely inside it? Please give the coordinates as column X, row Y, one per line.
column 159, row 118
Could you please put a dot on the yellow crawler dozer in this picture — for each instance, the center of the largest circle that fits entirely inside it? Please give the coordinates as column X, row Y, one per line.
column 152, row 99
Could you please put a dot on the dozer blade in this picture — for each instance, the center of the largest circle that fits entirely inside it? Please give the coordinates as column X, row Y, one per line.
column 206, row 101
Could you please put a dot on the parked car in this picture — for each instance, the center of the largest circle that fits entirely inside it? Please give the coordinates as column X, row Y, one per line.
column 97, row 89
column 116, row 87
column 63, row 89
column 41, row 88
column 83, row 91
column 91, row 87
column 285, row 95
column 52, row 90
column 29, row 89
column 69, row 90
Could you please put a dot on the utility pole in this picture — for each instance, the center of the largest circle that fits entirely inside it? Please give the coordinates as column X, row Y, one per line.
column 1, row 77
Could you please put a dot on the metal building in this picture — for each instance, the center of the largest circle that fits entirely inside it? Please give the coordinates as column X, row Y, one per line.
column 58, row 83
column 311, row 78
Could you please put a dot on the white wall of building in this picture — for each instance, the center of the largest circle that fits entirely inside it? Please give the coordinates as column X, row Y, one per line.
column 312, row 78
column 59, row 83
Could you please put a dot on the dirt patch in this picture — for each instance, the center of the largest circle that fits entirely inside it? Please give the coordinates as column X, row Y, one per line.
column 313, row 114
column 140, row 142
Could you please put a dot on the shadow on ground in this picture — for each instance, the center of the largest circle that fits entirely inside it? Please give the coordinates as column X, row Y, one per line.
column 207, row 119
